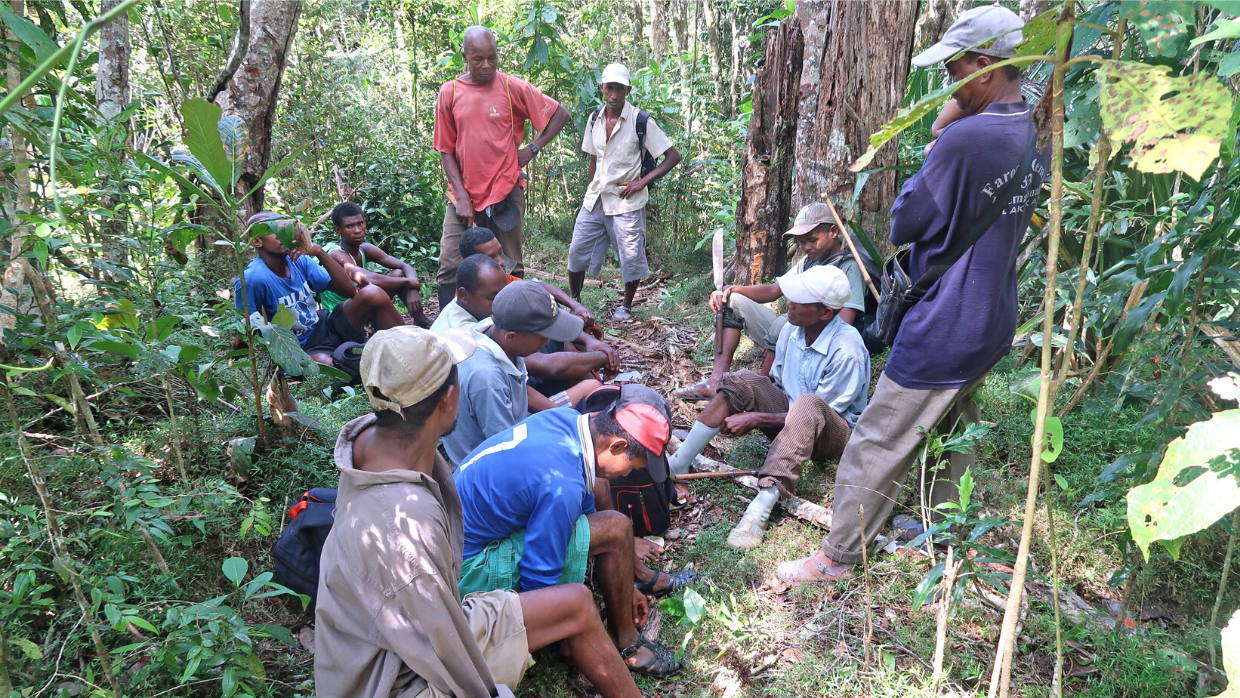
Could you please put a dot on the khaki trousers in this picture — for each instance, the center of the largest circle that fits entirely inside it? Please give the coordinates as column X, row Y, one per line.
column 449, row 242
column 812, row 430
column 883, row 448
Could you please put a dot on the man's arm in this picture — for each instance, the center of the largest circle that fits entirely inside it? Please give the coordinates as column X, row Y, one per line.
column 762, row 293
column 340, row 281
column 566, row 365
column 464, row 207
column 557, row 121
column 537, row 401
column 745, row 422
column 383, row 281
column 670, row 160
column 567, row 301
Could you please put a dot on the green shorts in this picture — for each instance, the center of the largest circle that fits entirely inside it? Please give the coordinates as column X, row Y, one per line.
column 498, row 566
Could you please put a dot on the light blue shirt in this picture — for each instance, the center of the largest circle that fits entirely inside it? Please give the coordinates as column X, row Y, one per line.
column 836, row 367
column 266, row 292
column 493, row 395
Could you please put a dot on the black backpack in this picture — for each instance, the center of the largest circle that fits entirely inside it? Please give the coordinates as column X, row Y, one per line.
column 648, row 162
column 297, row 553
column 863, row 324
column 636, row 495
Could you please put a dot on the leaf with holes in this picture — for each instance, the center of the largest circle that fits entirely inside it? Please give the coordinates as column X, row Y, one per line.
column 284, row 317
column 1196, row 483
column 1162, row 24
column 1173, row 123
column 286, row 351
column 1038, row 35
column 904, row 119
column 1230, row 637
column 235, row 139
column 202, row 135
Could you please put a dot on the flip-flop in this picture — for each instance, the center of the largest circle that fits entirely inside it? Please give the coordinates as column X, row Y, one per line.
column 661, row 664
column 794, row 571
column 697, row 392
column 679, row 580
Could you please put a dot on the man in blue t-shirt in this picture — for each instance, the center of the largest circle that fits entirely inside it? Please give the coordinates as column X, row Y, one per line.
column 949, row 340
column 279, row 276
column 532, row 519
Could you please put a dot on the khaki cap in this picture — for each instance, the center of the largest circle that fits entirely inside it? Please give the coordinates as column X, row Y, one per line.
column 811, row 217
column 407, row 364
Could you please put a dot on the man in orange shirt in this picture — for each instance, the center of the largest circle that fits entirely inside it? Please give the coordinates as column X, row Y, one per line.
column 479, row 123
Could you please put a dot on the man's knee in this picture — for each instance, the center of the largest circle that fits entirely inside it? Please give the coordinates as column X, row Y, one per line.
column 325, row 359
column 609, row 528
column 807, row 406
column 372, row 296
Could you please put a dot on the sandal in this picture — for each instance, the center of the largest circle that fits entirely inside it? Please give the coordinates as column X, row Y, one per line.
column 794, row 571
column 696, row 392
column 679, row 580
column 661, row 664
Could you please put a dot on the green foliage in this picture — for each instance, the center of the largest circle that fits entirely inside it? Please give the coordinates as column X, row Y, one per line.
column 1231, row 657
column 1163, row 24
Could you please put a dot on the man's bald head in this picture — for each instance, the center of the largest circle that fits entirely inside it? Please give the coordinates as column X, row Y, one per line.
column 481, row 54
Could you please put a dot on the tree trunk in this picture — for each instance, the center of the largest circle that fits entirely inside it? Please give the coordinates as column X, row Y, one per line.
column 15, row 275
column 658, row 30
column 111, row 98
column 710, row 15
column 734, row 83
column 815, row 20
column 766, row 185
column 252, row 92
column 862, row 70
column 639, row 29
column 938, row 16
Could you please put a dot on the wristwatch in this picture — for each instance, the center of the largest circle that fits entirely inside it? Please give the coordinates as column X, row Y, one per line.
column 534, row 149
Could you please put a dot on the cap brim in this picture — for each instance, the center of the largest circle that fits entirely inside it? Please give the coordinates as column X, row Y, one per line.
column 656, row 466
column 460, row 343
column 935, row 54
column 566, row 327
column 802, row 229
column 794, row 289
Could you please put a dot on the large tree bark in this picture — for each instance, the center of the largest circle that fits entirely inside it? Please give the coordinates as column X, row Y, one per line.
column 658, row 29
column 15, row 275
column 766, row 185
column 739, row 41
column 253, row 90
column 863, row 66
column 111, row 98
column 937, row 17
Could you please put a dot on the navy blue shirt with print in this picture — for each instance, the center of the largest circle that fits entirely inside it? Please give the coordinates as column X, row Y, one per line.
column 965, row 322
column 266, row 292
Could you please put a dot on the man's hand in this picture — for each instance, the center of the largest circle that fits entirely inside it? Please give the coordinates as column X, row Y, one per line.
column 641, row 608
column 630, row 188
column 741, row 424
column 584, row 313
column 465, row 211
column 524, row 156
column 613, row 359
column 719, row 299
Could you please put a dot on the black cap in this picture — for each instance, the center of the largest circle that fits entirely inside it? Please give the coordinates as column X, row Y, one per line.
column 525, row 306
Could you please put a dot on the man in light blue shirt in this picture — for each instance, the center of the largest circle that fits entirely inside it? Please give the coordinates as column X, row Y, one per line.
column 815, row 393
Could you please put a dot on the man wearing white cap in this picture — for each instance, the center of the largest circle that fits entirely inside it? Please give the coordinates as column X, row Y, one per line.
column 815, row 393
column 389, row 619
column 623, row 144
column 965, row 214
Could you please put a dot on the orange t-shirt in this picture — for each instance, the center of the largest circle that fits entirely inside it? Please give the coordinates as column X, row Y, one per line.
column 512, row 278
column 482, row 125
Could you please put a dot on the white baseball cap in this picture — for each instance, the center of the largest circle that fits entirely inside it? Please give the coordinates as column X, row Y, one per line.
column 824, row 284
column 615, row 72
column 991, row 30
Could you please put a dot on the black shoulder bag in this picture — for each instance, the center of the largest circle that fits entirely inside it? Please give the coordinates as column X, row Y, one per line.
column 898, row 294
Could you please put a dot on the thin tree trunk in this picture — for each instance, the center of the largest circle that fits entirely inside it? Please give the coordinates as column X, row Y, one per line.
column 6, row 684
column 658, row 30
column 710, row 16
column 639, row 29
column 863, row 67
column 15, row 275
column 766, row 177
column 253, row 90
column 734, row 83
column 111, row 98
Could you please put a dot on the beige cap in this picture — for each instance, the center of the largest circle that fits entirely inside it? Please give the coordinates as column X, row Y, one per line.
column 811, row 217
column 407, row 364
column 821, row 284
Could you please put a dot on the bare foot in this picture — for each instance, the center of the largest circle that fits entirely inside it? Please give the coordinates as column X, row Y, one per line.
column 646, row 550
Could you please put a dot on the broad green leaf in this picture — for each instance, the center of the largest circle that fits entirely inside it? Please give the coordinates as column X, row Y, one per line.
column 307, row 421
column 1174, row 123
column 27, row 647
column 122, row 348
column 274, row 170
column 1126, row 330
column 1026, row 385
column 188, row 160
column 284, row 317
column 181, row 235
column 695, row 607
column 30, row 35
column 1163, row 24
column 202, row 136
column 141, row 622
column 163, row 327
column 283, row 227
column 1038, row 34
column 1224, row 28
column 235, row 569
column 286, row 351
column 74, row 335
column 1230, row 637
column 904, row 118
column 1229, row 65
column 236, row 141
column 177, row 177
column 1196, row 483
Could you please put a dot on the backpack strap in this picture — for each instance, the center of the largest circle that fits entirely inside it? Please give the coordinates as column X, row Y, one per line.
column 980, row 226
column 642, row 118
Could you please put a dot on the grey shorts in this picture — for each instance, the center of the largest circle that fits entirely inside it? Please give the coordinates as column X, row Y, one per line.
column 595, row 230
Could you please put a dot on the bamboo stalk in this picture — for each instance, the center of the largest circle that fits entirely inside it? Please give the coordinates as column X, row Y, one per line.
column 1222, row 584
column 1134, row 567
column 1001, row 676
column 176, row 431
column 1057, row 679
column 940, row 635
column 55, row 536
column 869, row 604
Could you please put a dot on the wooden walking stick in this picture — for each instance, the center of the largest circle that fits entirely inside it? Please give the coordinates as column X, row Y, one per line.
column 851, row 247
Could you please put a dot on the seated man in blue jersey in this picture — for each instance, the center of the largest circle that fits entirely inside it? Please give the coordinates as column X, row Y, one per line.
column 531, row 497
column 279, row 276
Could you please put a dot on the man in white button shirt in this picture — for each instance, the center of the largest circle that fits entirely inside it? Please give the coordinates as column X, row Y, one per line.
column 617, row 139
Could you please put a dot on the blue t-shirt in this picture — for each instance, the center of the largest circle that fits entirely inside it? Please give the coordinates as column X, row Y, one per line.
column 965, row 322
column 537, row 476
column 266, row 292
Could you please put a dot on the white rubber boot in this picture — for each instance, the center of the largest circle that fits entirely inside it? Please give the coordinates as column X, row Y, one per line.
column 749, row 532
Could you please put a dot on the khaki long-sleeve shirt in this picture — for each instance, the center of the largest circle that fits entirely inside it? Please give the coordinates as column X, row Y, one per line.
column 389, row 620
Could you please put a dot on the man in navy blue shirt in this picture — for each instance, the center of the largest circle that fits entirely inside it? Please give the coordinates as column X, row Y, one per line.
column 279, row 276
column 949, row 340
column 532, row 519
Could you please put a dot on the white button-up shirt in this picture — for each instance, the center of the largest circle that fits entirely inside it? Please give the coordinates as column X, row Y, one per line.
column 618, row 161
column 836, row 367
